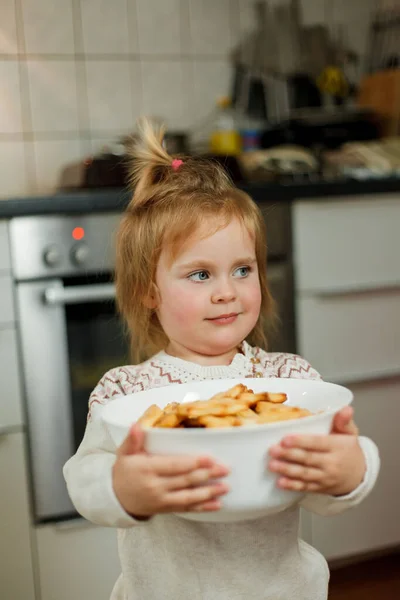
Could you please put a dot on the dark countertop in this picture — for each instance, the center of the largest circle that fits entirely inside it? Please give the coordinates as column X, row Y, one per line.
column 112, row 200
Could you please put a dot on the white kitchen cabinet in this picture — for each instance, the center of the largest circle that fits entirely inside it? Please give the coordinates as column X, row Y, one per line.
column 375, row 523
column 16, row 571
column 6, row 300
column 4, row 247
column 77, row 561
column 11, row 415
column 351, row 337
column 345, row 244
column 347, row 299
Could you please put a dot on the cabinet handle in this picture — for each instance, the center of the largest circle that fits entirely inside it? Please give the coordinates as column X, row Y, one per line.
column 367, row 378
column 9, row 429
column 356, row 291
column 72, row 524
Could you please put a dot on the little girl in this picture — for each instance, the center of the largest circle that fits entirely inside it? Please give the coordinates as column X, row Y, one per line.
column 191, row 285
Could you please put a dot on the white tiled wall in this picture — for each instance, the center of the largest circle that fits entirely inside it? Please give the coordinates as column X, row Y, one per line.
column 75, row 74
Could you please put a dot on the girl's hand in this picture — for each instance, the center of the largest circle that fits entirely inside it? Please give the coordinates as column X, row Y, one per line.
column 326, row 464
column 146, row 485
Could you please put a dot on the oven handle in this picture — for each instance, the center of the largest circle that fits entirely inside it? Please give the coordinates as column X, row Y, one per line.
column 79, row 294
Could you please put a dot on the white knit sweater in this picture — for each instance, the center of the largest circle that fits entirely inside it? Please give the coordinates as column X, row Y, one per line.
column 170, row 558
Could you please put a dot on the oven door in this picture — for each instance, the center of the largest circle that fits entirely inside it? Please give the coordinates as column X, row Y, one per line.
column 70, row 336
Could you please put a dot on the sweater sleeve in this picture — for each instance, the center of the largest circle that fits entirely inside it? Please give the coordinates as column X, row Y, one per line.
column 88, row 473
column 326, row 505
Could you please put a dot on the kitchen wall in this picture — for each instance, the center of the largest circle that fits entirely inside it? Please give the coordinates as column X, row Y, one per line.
column 74, row 74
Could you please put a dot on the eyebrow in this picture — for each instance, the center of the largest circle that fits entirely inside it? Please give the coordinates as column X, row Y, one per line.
column 205, row 264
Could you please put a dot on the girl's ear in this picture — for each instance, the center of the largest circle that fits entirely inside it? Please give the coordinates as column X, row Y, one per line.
column 151, row 298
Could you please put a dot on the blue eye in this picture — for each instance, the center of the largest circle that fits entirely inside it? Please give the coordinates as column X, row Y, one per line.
column 199, row 276
column 242, row 272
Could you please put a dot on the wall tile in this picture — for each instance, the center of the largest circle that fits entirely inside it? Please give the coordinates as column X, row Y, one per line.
column 114, row 95
column 210, row 26
column 163, row 91
column 48, row 26
column 98, row 144
column 12, row 170
column 50, row 158
column 89, row 103
column 353, row 19
column 159, row 26
column 10, row 97
column 313, row 12
column 53, row 95
column 8, row 28
column 105, row 26
column 246, row 17
column 210, row 80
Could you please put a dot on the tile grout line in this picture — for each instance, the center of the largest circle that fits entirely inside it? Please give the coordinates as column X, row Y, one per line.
column 184, row 22
column 236, row 40
column 188, row 76
column 133, row 29
column 234, row 24
column 129, row 56
column 80, row 74
column 25, row 99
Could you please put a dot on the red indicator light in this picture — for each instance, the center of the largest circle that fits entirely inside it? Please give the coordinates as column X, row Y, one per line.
column 78, row 233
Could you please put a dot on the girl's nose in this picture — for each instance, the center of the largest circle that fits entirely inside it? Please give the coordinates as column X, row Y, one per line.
column 224, row 294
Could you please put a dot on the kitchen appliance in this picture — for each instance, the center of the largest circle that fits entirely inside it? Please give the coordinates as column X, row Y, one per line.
column 70, row 333
column 108, row 170
column 110, row 166
column 103, row 170
column 316, row 128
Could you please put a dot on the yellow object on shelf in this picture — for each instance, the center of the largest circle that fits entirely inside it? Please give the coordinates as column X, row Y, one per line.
column 333, row 81
column 226, row 142
column 225, row 138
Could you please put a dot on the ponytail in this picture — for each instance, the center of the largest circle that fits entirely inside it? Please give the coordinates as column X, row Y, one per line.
column 149, row 160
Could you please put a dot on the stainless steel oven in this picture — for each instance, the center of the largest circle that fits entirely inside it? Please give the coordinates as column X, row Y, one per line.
column 70, row 334
column 69, row 337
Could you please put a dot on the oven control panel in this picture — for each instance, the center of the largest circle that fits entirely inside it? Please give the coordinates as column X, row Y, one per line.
column 64, row 245
column 80, row 254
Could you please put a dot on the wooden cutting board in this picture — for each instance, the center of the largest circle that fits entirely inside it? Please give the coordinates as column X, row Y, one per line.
column 381, row 92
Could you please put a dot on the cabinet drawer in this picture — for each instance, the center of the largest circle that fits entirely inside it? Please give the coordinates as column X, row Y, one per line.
column 6, row 300
column 350, row 337
column 10, row 398
column 77, row 561
column 4, row 247
column 347, row 244
column 16, row 572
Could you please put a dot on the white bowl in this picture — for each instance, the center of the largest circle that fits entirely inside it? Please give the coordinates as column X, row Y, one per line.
column 253, row 491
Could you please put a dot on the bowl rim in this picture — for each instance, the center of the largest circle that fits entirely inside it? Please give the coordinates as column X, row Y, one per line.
column 232, row 430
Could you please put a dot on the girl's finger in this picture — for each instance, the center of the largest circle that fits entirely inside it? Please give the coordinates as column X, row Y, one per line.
column 318, row 443
column 133, row 443
column 343, row 422
column 183, row 500
column 193, row 478
column 167, row 466
column 298, row 455
column 212, row 505
column 298, row 485
column 296, row 471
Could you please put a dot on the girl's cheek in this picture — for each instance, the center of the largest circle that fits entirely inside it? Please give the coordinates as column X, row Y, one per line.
column 184, row 306
column 253, row 295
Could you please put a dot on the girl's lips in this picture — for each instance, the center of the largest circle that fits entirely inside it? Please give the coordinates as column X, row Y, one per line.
column 224, row 319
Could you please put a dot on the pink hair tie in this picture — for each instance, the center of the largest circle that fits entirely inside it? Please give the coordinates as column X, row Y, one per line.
column 176, row 163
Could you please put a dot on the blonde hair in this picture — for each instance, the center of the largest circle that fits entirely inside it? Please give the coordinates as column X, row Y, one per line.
column 168, row 206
